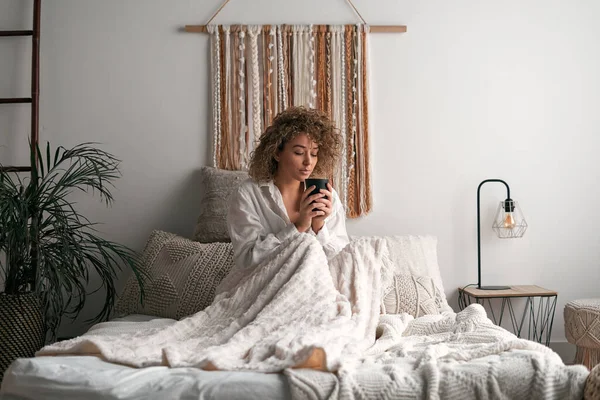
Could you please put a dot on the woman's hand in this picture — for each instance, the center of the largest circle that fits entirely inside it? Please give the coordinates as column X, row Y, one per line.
column 307, row 210
column 324, row 205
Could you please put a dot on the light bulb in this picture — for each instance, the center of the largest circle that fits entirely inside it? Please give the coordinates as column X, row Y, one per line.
column 509, row 221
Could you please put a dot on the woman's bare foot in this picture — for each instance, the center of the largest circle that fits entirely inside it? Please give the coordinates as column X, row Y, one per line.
column 210, row 367
column 315, row 361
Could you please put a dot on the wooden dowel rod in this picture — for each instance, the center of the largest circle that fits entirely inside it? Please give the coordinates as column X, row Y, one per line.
column 15, row 100
column 374, row 28
column 16, row 33
column 196, row 28
column 388, row 28
column 35, row 76
column 15, row 169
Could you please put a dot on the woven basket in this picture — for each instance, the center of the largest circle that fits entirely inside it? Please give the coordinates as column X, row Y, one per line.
column 22, row 328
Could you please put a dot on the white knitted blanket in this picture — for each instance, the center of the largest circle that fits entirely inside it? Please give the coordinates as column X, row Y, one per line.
column 450, row 356
column 288, row 312
column 295, row 309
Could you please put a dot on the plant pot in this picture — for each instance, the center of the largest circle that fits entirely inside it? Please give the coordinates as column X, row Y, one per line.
column 22, row 328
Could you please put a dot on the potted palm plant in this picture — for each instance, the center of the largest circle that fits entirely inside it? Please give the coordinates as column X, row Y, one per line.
column 48, row 249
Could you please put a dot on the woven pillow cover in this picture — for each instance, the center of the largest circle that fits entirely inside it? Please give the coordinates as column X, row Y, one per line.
column 415, row 295
column 183, row 276
column 219, row 185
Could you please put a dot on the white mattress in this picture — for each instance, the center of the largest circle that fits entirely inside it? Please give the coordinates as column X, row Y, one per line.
column 89, row 378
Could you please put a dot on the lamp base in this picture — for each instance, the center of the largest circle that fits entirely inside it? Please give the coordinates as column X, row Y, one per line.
column 494, row 287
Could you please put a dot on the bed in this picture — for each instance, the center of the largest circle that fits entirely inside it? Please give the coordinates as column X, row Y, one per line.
column 423, row 349
column 88, row 377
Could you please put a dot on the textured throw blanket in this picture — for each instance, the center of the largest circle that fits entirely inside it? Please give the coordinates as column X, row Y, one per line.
column 286, row 313
column 298, row 310
column 451, row 357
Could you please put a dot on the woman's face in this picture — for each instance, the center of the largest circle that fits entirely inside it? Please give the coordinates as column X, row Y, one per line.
column 297, row 159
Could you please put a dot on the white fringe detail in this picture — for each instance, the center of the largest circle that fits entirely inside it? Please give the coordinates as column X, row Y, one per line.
column 242, row 100
column 297, row 58
column 281, row 67
column 344, row 125
column 312, row 82
column 216, row 78
column 253, row 32
column 366, row 82
column 362, row 206
column 272, row 51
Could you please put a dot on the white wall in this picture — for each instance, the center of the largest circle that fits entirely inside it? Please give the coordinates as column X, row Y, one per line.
column 473, row 90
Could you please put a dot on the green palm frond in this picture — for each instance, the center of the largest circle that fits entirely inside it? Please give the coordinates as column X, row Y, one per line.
column 48, row 245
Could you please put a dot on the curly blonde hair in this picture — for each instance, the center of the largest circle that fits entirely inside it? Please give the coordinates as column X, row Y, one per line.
column 286, row 126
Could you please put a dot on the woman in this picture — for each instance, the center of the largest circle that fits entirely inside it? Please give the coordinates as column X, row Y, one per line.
column 288, row 313
column 274, row 203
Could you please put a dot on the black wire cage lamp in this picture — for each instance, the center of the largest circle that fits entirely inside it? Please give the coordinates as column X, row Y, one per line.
column 509, row 223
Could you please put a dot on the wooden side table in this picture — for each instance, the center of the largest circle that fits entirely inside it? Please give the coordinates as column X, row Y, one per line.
column 540, row 316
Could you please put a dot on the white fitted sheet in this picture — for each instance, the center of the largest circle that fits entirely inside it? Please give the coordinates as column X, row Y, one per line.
column 90, row 378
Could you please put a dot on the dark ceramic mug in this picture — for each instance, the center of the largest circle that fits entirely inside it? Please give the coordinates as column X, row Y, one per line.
column 319, row 183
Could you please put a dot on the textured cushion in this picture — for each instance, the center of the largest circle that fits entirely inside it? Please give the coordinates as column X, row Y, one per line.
column 183, row 276
column 416, row 256
column 592, row 385
column 415, row 295
column 219, row 185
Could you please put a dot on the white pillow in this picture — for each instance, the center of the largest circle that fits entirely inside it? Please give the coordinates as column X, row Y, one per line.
column 219, row 185
column 416, row 256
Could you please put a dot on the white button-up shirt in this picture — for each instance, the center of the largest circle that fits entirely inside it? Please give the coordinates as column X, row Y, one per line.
column 258, row 222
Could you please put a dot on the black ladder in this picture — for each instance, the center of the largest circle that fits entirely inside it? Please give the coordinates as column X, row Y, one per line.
column 34, row 100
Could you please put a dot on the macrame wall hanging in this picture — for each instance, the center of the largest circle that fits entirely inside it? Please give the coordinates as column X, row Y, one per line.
column 258, row 71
